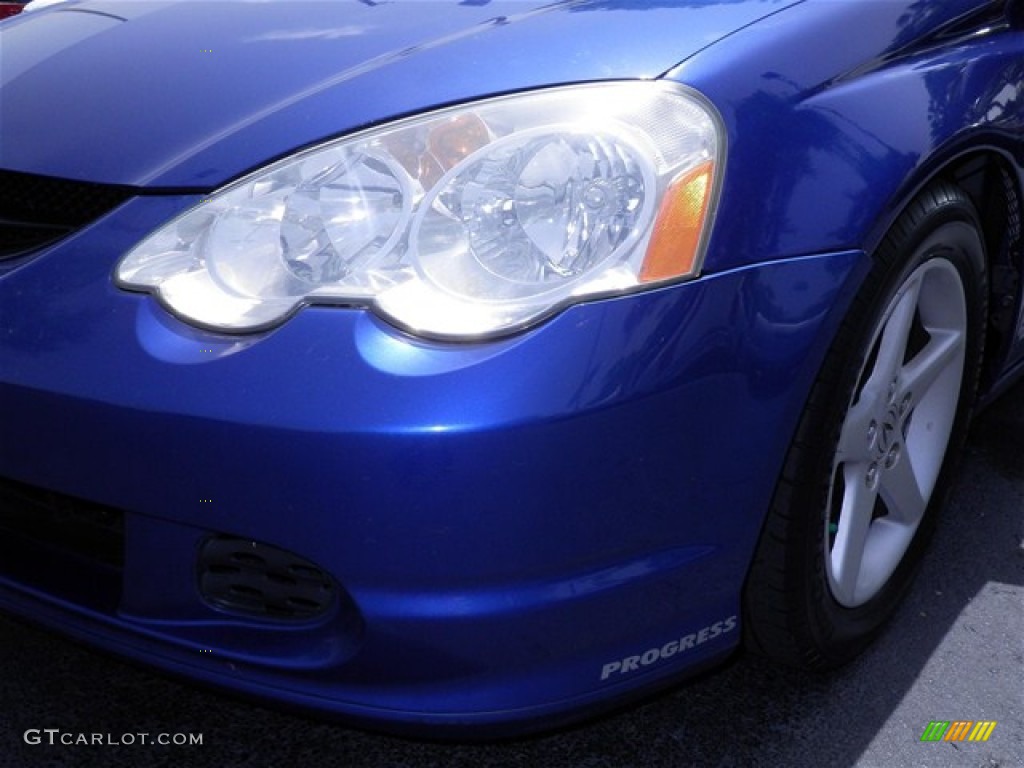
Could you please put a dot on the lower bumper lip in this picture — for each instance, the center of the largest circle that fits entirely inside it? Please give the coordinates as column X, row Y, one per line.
column 420, row 672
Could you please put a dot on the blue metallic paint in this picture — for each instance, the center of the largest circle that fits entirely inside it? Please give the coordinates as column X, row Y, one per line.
column 479, row 503
column 817, row 107
column 285, row 75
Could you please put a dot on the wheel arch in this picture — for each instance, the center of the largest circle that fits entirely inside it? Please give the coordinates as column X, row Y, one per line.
column 788, row 615
column 992, row 180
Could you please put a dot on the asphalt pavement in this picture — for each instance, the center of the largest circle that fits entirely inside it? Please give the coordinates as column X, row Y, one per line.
column 954, row 652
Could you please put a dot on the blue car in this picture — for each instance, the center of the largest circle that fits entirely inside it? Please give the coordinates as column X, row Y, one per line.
column 470, row 367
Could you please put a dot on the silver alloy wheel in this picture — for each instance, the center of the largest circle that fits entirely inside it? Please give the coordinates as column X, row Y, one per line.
column 894, row 438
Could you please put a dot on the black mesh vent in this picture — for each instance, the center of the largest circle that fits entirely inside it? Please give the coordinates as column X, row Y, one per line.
column 71, row 525
column 37, row 210
column 253, row 579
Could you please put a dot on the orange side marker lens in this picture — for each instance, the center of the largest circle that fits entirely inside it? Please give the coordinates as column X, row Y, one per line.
column 672, row 251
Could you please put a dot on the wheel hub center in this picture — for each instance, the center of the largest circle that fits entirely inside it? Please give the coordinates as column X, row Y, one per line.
column 890, row 434
column 886, row 436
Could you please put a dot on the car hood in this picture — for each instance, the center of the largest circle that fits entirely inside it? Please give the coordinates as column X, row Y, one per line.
column 189, row 95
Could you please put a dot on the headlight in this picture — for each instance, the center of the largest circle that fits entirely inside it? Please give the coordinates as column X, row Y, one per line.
column 464, row 223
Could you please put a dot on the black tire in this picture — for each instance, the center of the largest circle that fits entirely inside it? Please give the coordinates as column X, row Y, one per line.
column 803, row 603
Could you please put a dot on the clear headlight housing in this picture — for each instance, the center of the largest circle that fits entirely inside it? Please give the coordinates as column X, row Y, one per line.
column 464, row 223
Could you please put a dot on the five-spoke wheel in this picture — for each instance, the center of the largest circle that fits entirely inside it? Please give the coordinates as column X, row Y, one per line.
column 868, row 466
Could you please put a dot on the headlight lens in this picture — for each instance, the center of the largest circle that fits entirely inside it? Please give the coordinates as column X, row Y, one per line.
column 464, row 223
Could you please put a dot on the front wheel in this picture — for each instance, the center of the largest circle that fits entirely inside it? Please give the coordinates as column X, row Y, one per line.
column 873, row 452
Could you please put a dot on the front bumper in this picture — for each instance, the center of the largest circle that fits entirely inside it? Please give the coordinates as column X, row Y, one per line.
column 506, row 522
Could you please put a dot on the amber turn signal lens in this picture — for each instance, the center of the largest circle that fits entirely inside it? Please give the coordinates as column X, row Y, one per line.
column 675, row 242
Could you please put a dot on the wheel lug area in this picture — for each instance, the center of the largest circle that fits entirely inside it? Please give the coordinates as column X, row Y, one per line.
column 893, row 456
column 871, row 478
column 872, row 433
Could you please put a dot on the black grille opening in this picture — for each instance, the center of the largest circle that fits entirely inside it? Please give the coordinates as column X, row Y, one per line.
column 38, row 210
column 72, row 526
column 249, row 578
column 16, row 237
